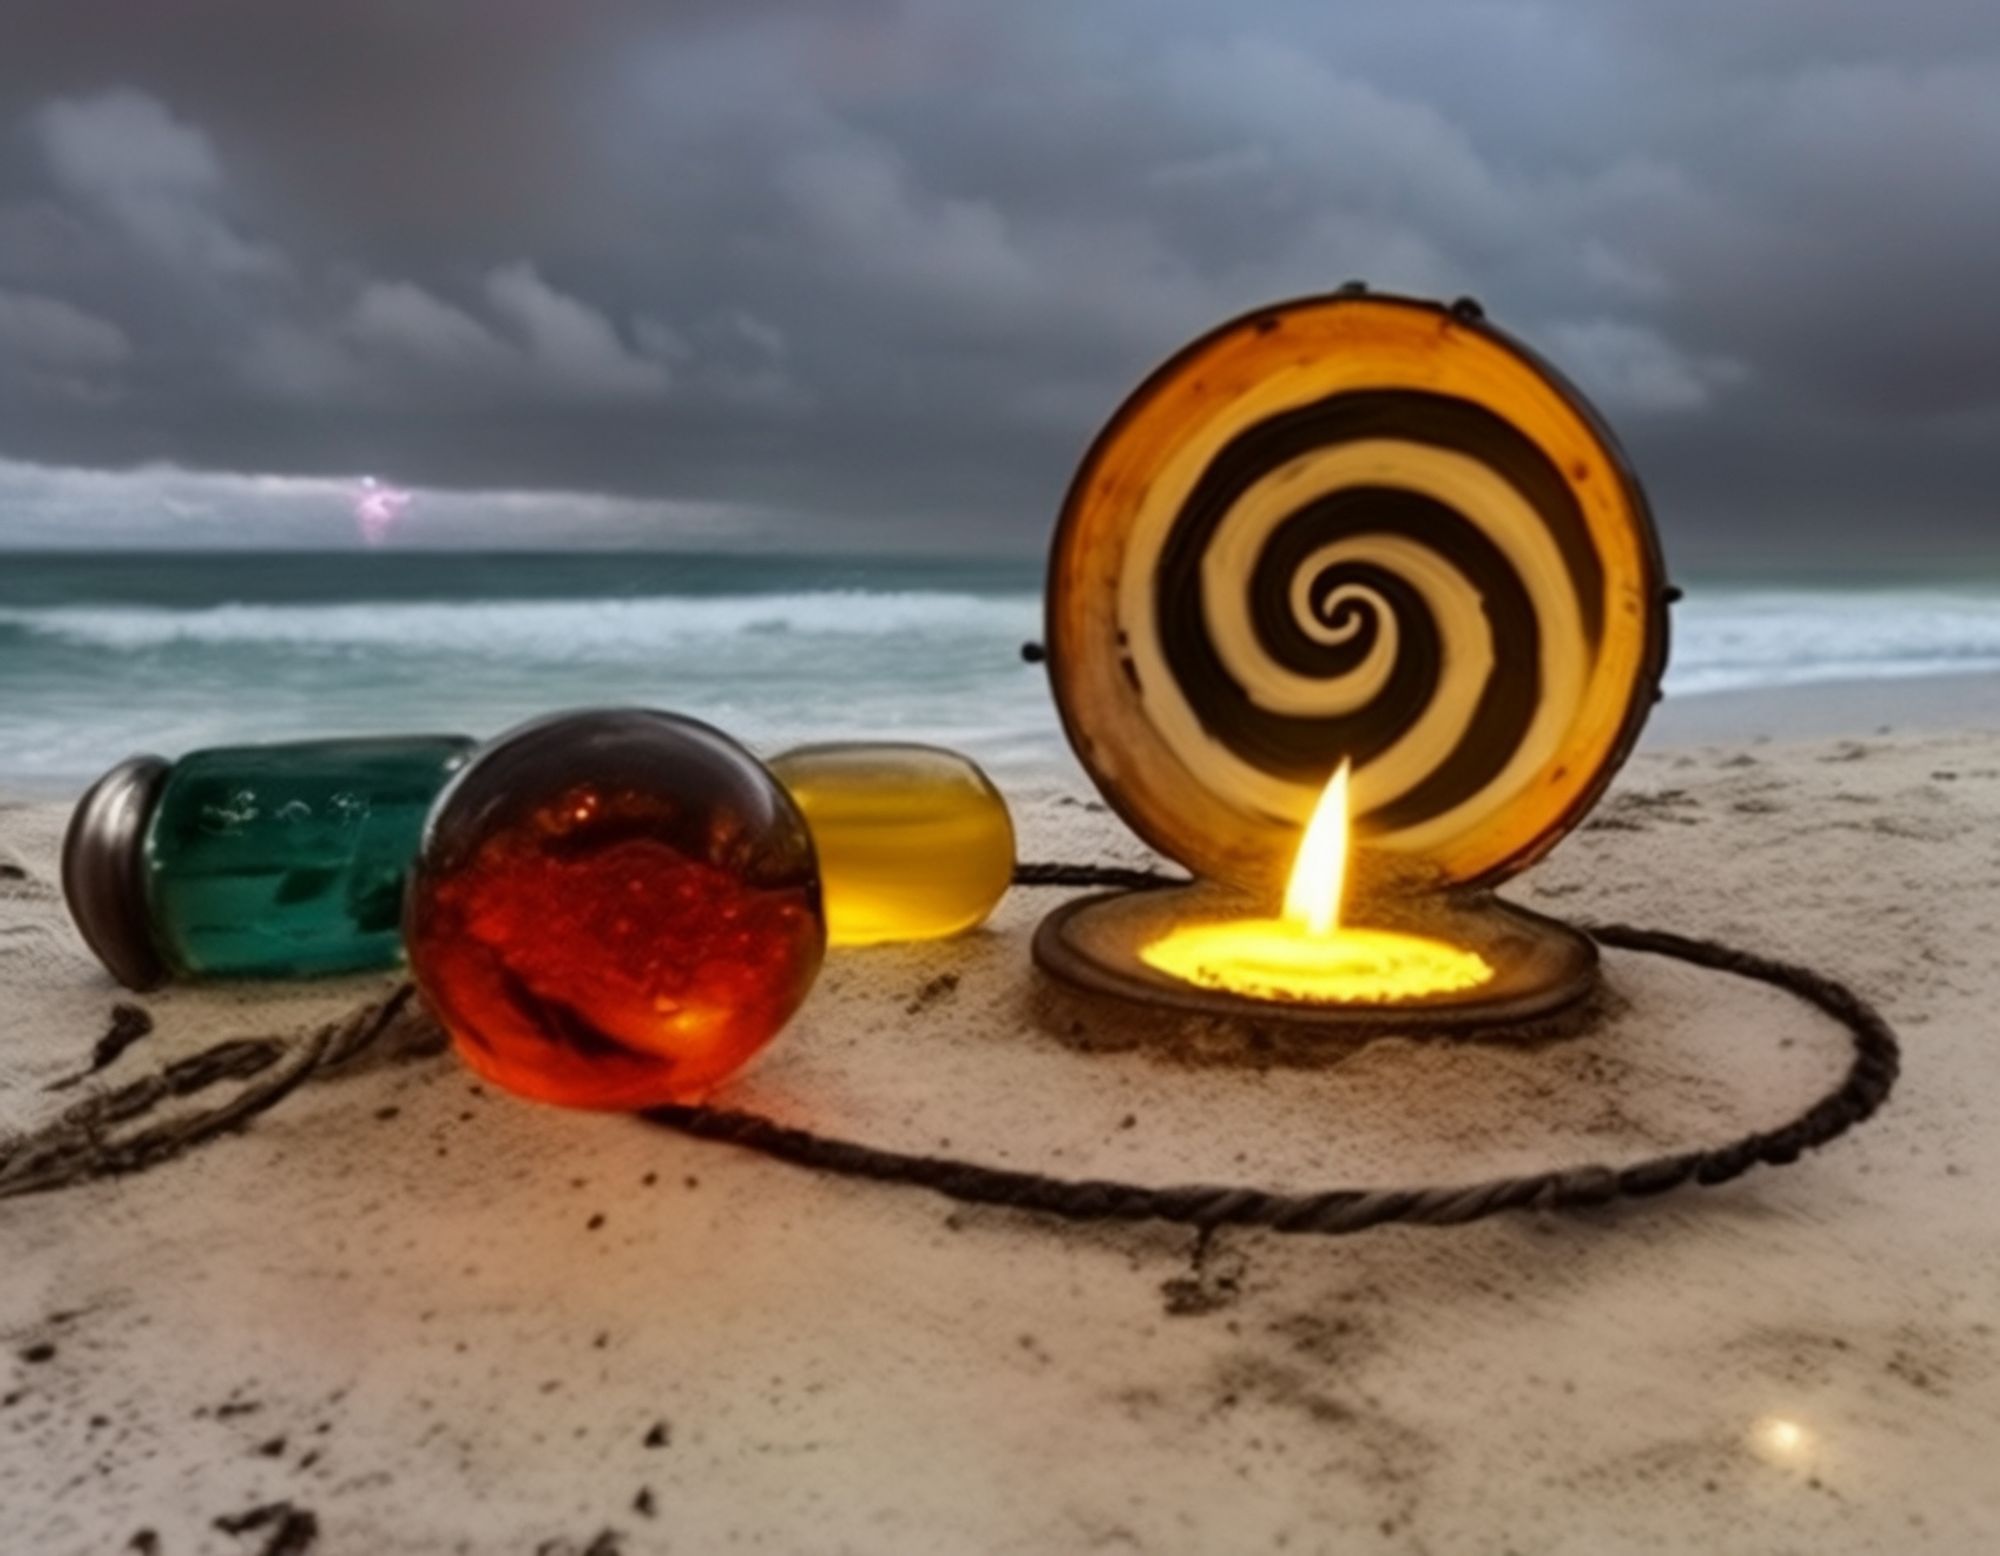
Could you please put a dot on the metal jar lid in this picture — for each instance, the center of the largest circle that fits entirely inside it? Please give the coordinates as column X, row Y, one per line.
column 103, row 870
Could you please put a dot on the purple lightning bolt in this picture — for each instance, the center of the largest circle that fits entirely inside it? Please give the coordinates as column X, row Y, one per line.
column 377, row 507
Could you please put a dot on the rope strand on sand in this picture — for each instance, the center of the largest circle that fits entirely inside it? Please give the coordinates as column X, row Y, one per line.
column 1332, row 1212
column 79, row 1146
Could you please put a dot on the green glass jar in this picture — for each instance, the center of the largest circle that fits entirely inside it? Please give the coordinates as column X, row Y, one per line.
column 275, row 861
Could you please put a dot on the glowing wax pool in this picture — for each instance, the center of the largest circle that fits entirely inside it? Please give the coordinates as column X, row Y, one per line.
column 1309, row 954
column 1277, row 959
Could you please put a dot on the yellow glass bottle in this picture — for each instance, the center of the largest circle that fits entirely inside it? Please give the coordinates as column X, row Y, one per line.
column 914, row 841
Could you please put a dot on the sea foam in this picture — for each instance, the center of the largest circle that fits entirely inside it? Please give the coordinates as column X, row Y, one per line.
column 550, row 630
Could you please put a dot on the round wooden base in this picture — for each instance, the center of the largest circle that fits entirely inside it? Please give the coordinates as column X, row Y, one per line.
column 1541, row 966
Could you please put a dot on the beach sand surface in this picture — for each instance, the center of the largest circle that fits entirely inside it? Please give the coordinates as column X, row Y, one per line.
column 403, row 1313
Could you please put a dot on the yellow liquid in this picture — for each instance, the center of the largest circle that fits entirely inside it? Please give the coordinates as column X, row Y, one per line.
column 1278, row 959
column 914, row 842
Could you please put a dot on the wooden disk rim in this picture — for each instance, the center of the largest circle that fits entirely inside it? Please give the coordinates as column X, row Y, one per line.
column 1542, row 966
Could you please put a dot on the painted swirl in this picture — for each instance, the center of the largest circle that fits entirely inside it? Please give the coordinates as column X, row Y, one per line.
column 1390, row 577
column 1366, row 529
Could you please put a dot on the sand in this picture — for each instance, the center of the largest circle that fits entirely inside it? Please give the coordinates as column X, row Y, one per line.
column 405, row 1314
column 1825, row 710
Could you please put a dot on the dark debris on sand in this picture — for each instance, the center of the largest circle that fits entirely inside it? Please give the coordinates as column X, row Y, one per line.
column 940, row 986
column 129, row 1023
column 1214, row 1281
column 293, row 1530
column 607, row 1543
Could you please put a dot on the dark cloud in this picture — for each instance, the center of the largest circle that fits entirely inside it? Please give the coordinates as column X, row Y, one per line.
column 878, row 271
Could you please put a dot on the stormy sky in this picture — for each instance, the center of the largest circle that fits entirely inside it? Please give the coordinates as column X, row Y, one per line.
column 872, row 274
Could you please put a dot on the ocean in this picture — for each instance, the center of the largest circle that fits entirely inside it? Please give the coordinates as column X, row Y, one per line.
column 105, row 655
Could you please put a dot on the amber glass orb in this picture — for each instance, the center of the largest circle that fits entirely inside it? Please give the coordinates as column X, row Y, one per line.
column 614, row 909
column 914, row 841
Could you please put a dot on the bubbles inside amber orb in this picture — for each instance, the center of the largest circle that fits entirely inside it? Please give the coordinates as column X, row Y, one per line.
column 614, row 910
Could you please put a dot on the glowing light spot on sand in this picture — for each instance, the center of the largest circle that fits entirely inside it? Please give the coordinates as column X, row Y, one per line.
column 1782, row 1440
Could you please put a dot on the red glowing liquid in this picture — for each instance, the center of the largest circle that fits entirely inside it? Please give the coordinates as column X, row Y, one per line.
column 614, row 947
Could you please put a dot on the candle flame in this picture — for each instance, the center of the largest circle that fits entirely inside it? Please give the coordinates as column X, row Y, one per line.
column 1319, row 871
column 1306, row 954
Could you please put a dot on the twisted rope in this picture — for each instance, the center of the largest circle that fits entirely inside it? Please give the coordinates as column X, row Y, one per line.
column 78, row 1147
column 1058, row 874
column 1336, row 1211
column 1870, row 1076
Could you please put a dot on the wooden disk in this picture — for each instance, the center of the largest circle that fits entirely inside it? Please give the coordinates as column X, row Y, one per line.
column 1541, row 966
column 1355, row 528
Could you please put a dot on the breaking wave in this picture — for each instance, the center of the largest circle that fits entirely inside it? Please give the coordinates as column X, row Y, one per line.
column 541, row 630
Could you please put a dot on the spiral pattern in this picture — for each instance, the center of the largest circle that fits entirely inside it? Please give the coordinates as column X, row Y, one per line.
column 1317, row 563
